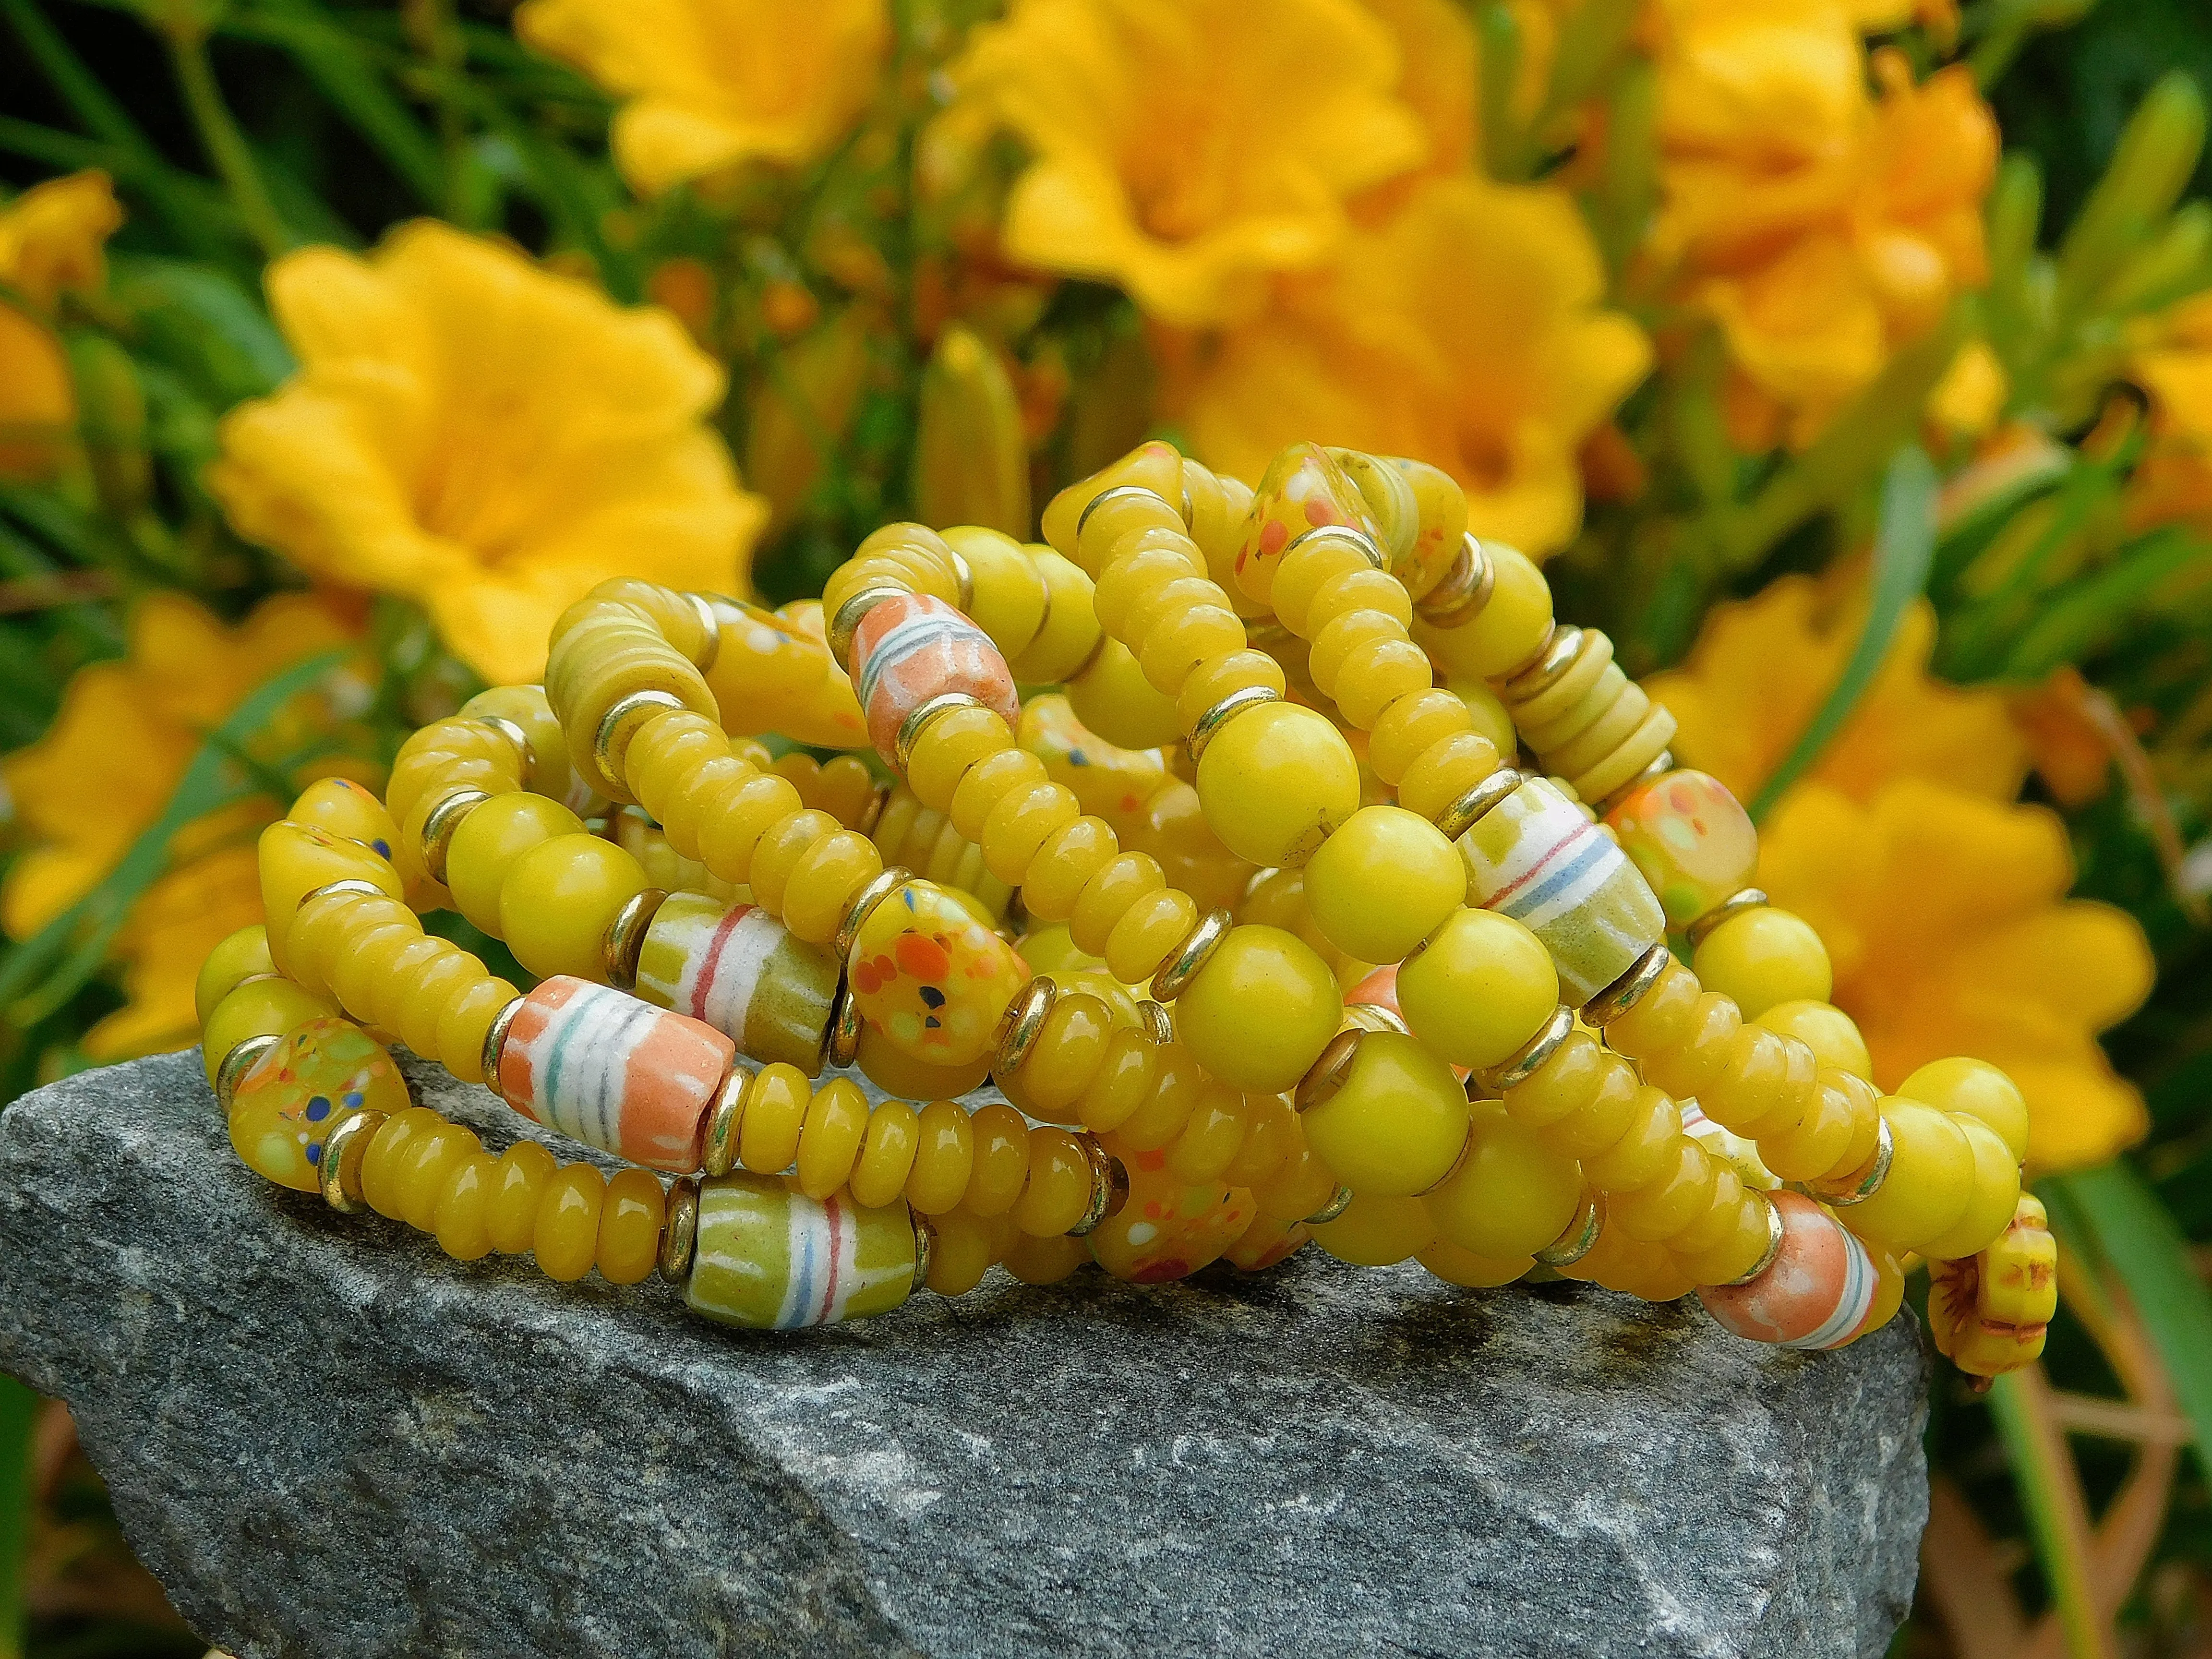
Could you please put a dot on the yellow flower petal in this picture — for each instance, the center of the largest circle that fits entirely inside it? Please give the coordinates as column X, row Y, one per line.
column 54, row 235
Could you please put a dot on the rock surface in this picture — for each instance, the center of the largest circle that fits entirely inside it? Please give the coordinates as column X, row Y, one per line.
column 328, row 1440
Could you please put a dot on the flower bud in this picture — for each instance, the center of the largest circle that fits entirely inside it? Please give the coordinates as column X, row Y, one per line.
column 971, row 456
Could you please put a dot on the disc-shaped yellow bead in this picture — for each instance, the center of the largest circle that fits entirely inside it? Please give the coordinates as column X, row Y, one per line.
column 1973, row 1088
column 1383, row 883
column 558, row 899
column 1397, row 1124
column 1377, row 1232
column 1930, row 1181
column 1480, row 989
column 1261, row 1010
column 1510, row 1195
column 489, row 841
column 1764, row 957
column 1829, row 1032
column 1996, row 1193
column 1276, row 781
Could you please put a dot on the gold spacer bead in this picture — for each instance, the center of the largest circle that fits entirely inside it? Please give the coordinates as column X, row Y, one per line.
column 873, row 813
column 1108, row 1180
column 1329, row 1070
column 515, row 735
column 496, row 1041
column 1159, row 1024
column 1530, row 1058
column 1358, row 541
column 726, row 1118
column 922, row 719
column 626, row 937
column 880, row 887
column 1734, row 904
column 711, row 624
column 1118, row 492
column 1338, row 1202
column 925, row 1249
column 610, row 742
column 841, row 1043
column 1774, row 1237
column 1466, row 588
column 679, row 1234
column 1374, row 1017
column 1196, row 950
column 1459, row 818
column 236, row 1064
column 1625, row 993
column 963, row 582
column 351, row 884
column 1660, row 765
column 1579, row 1239
column 839, row 633
column 1209, row 724
column 1542, row 671
column 439, row 824
column 1022, row 1024
column 1864, row 1183
column 338, row 1173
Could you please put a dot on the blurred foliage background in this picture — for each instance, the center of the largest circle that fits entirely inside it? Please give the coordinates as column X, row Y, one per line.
column 1851, row 361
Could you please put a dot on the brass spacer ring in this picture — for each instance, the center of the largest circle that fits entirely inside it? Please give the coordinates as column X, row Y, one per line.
column 610, row 742
column 351, row 884
column 338, row 1172
column 1338, row 1202
column 1542, row 671
column 237, row 1063
column 884, row 883
column 873, row 813
column 711, row 624
column 1118, row 492
column 1734, row 904
column 625, row 936
column 1022, row 1024
column 1331, row 1067
column 841, row 1043
column 1159, row 1024
column 1579, row 1239
column 925, row 1249
column 1460, row 817
column 963, row 582
column 1358, row 541
column 1625, row 993
column 514, row 734
column 1209, row 724
column 496, row 1041
column 439, row 824
column 1859, row 1188
column 1106, row 1175
column 679, row 1234
column 1196, row 950
column 726, row 1118
column 922, row 719
column 839, row 633
column 1774, row 1237
column 1374, row 1017
column 1529, row 1058
column 1459, row 599
column 1660, row 765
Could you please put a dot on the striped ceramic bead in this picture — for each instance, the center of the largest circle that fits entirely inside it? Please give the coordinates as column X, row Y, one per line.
column 1538, row 859
column 735, row 967
column 914, row 647
column 772, row 1258
column 1817, row 1292
column 604, row 1068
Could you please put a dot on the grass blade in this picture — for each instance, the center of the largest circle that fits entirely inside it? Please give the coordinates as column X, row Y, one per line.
column 2042, row 1471
column 19, row 1414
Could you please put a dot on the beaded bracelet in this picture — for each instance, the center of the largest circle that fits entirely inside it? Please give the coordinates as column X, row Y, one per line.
column 1422, row 1168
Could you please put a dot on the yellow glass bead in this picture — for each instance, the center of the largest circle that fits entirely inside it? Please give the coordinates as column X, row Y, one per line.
column 559, row 899
column 1112, row 697
column 379, row 1161
column 348, row 808
column 566, row 1234
column 1260, row 1011
column 261, row 1007
column 1377, row 1231
column 493, row 835
column 1059, row 1188
column 932, row 980
column 1655, row 1124
column 1457, row 1266
column 1108, row 895
column 1383, row 883
column 516, row 1181
column 1065, row 1059
column 240, row 956
column 962, row 1255
column 1479, row 989
column 1994, row 1195
column 945, row 1156
column 1064, row 865
column 1487, row 710
column 1764, row 957
column 1153, row 465
column 462, row 1221
column 1210, row 1136
column 1510, row 1193
column 295, row 859
column 1148, row 931
column 465, row 1022
column 1277, row 781
column 1397, row 1124
column 829, row 1140
column 1973, row 1088
column 1510, row 628
column 630, row 1215
column 1930, row 1180
column 1224, row 676
column 423, row 1169
column 1002, row 1161
column 775, row 1105
column 896, row 1072
column 1828, row 1031
column 320, row 1073
column 887, row 1152
column 825, row 880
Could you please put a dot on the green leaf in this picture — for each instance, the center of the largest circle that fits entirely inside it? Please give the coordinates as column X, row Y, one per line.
column 19, row 1415
column 2083, row 615
column 203, row 326
column 2135, row 1235
column 343, row 68
column 2042, row 1475
column 1904, row 548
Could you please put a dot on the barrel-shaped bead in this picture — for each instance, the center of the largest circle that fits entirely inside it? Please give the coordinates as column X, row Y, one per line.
column 772, row 1258
column 1817, row 1292
column 1691, row 840
column 1166, row 1227
column 909, row 649
column 1536, row 857
column 931, row 978
column 738, row 967
column 318, row 1074
column 606, row 1069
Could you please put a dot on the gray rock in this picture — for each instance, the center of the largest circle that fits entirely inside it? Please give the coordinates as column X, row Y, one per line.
column 328, row 1440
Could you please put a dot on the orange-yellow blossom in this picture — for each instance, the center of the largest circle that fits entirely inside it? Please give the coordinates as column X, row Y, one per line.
column 485, row 438
column 2170, row 356
column 52, row 237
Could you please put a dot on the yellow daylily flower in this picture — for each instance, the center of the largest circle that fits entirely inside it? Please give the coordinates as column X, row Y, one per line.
column 52, row 237
column 1186, row 149
column 1468, row 332
column 1946, row 922
column 486, row 438
column 710, row 84
column 2170, row 356
column 1762, row 667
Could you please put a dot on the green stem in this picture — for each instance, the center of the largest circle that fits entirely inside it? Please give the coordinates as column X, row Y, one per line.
column 2041, row 1471
column 19, row 1412
column 225, row 144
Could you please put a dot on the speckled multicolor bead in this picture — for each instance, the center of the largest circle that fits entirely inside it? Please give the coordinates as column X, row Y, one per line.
column 318, row 1075
column 772, row 1258
column 1691, row 840
column 1108, row 781
column 737, row 968
column 914, row 647
column 1537, row 858
column 1168, row 1228
column 604, row 1068
column 1266, row 1242
column 1303, row 489
column 929, row 976
column 1816, row 1292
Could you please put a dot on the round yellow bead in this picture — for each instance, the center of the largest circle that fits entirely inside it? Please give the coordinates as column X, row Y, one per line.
column 241, row 956
column 1457, row 1266
column 1764, row 957
column 1510, row 1194
column 1397, row 1124
column 1375, row 1231
column 1276, row 781
column 490, row 839
column 1383, row 884
column 266, row 1007
column 1996, row 1194
column 1930, row 1182
column 1973, row 1088
column 558, row 900
column 1261, row 1010
column 1827, row 1031
column 1480, row 989
column 1113, row 699
column 1509, row 628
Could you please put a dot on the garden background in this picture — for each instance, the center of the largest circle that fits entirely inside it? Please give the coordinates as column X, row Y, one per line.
column 1849, row 360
